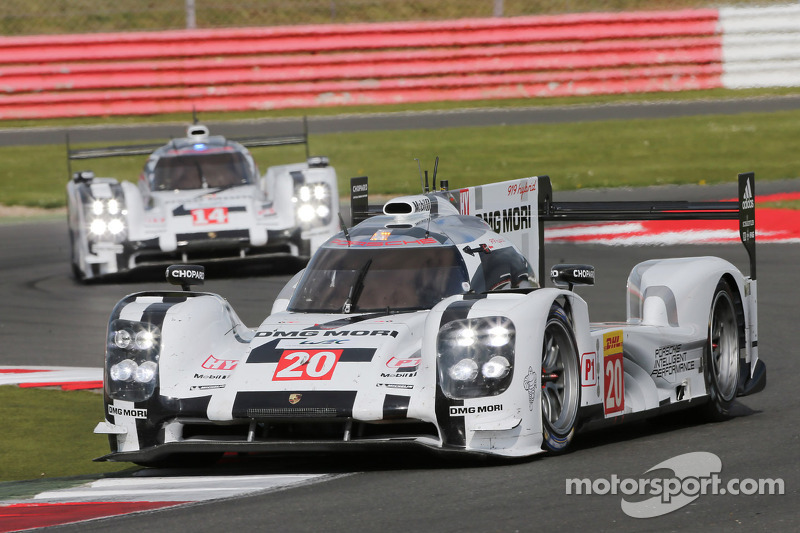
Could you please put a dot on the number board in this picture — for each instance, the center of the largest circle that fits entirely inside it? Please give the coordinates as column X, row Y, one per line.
column 613, row 374
column 306, row 365
column 210, row 216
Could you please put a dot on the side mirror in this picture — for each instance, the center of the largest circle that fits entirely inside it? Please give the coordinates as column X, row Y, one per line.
column 571, row 275
column 82, row 176
column 186, row 275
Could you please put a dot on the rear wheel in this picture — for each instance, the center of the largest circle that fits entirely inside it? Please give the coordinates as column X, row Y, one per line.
column 721, row 370
column 561, row 390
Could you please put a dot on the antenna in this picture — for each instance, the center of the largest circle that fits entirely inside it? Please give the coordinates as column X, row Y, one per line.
column 195, row 120
column 435, row 168
column 428, row 228
column 421, row 183
column 426, row 189
column 344, row 229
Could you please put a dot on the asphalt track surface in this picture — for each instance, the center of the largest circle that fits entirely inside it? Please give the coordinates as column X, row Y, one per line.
column 48, row 319
column 405, row 120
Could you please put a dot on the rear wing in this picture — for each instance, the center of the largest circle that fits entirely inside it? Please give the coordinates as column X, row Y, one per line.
column 743, row 210
column 510, row 208
column 76, row 154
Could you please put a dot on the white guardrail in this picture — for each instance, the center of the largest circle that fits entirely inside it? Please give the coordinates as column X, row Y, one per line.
column 760, row 46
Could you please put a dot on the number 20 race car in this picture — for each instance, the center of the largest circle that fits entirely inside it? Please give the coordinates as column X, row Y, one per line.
column 199, row 198
column 429, row 324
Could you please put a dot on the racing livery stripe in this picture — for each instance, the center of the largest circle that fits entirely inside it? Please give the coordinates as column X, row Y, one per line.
column 395, row 406
column 341, row 322
column 183, row 211
column 300, row 403
column 270, row 353
column 153, row 314
column 454, row 431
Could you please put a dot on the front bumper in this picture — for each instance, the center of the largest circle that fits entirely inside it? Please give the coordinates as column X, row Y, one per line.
column 222, row 245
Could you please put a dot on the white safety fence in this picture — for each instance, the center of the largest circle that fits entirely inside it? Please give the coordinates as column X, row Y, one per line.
column 760, row 46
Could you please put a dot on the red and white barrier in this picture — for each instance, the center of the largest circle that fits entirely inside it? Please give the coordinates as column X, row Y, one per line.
column 147, row 73
column 761, row 46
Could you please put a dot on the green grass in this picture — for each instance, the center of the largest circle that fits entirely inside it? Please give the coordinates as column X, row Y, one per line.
column 68, row 16
column 48, row 433
column 700, row 149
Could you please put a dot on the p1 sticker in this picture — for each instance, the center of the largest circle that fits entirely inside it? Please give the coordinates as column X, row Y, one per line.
column 613, row 374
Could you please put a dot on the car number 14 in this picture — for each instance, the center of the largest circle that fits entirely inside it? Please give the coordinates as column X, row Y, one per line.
column 210, row 215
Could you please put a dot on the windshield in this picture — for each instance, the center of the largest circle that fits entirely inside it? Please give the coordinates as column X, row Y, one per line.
column 395, row 278
column 200, row 171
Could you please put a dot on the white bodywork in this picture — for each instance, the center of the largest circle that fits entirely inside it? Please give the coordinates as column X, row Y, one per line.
column 117, row 226
column 378, row 373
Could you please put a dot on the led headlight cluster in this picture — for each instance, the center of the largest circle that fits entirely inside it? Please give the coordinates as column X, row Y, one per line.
column 106, row 220
column 312, row 203
column 476, row 356
column 132, row 360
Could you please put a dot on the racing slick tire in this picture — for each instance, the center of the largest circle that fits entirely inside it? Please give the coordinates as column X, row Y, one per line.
column 561, row 390
column 77, row 273
column 721, row 357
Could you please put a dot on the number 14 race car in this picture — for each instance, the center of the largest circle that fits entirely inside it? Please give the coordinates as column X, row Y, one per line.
column 199, row 198
column 429, row 324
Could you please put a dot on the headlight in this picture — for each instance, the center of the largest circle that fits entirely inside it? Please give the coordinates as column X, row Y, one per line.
column 98, row 227
column 123, row 371
column 116, row 226
column 106, row 220
column 132, row 355
column 476, row 357
column 313, row 204
column 306, row 213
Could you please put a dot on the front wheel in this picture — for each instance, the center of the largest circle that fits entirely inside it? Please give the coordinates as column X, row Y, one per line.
column 561, row 388
column 721, row 370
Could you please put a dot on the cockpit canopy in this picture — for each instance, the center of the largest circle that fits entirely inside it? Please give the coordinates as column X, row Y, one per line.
column 201, row 170
column 374, row 279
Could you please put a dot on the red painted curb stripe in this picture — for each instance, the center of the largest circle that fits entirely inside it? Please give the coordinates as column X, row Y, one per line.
column 22, row 516
column 772, row 225
column 65, row 385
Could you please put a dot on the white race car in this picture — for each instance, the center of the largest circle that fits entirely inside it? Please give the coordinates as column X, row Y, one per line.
column 429, row 325
column 199, row 198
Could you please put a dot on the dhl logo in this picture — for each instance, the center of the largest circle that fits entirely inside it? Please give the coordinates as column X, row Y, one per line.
column 612, row 343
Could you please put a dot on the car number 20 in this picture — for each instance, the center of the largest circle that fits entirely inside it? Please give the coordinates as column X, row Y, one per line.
column 613, row 374
column 306, row 365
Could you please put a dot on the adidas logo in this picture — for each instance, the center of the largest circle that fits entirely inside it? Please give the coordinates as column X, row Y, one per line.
column 747, row 199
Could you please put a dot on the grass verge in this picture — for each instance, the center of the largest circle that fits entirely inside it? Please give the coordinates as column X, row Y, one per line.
column 48, row 433
column 698, row 149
